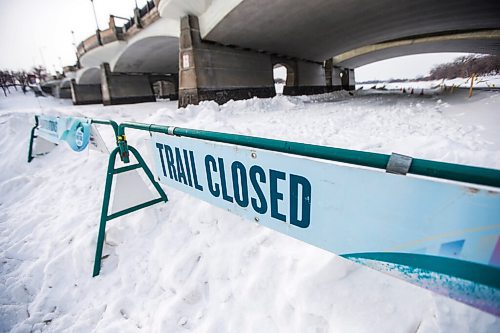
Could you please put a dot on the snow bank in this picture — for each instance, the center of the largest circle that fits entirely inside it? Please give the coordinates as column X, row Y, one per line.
column 188, row 266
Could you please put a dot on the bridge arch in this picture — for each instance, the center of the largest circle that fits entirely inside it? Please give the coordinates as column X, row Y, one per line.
column 157, row 54
column 486, row 41
column 291, row 79
column 89, row 75
column 281, row 81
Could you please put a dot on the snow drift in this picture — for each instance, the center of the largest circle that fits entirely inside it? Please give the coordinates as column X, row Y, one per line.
column 188, row 266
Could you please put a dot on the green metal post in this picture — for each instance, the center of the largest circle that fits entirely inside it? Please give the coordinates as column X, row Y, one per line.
column 104, row 211
column 32, row 139
column 121, row 141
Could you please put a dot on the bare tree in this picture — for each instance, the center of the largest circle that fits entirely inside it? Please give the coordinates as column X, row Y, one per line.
column 466, row 66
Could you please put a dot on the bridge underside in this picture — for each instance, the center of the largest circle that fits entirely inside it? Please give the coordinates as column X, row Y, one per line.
column 104, row 53
column 210, row 71
column 136, row 69
column 486, row 47
column 319, row 29
column 311, row 33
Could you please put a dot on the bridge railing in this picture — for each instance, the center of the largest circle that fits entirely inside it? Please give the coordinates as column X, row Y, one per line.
column 144, row 16
column 101, row 37
column 111, row 35
column 150, row 5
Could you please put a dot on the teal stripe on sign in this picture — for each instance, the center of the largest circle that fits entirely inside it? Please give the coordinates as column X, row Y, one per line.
column 478, row 273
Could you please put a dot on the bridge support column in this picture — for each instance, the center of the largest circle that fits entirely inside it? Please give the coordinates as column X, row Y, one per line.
column 348, row 81
column 63, row 92
column 208, row 71
column 85, row 93
column 333, row 76
column 165, row 86
column 329, row 73
column 124, row 88
column 166, row 90
column 309, row 77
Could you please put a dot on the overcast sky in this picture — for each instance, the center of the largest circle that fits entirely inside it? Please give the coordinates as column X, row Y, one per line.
column 39, row 32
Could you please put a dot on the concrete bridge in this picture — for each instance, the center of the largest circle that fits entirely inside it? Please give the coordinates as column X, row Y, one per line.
column 226, row 49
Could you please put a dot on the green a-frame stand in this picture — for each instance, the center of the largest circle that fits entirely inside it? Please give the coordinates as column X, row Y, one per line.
column 123, row 150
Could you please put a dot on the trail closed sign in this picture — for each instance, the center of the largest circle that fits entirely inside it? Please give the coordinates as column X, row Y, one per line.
column 340, row 208
column 439, row 234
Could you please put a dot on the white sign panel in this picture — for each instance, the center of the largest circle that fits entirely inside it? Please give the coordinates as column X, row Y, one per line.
column 185, row 61
column 96, row 141
column 48, row 128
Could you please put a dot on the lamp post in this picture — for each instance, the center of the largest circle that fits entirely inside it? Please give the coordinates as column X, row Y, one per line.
column 98, row 31
column 76, row 49
column 42, row 57
column 95, row 15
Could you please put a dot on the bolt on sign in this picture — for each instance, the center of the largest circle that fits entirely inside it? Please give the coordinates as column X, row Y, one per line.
column 430, row 232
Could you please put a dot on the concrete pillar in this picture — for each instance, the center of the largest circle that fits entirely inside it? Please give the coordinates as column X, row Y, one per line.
column 307, row 77
column 166, row 89
column 208, row 71
column 165, row 85
column 137, row 18
column 116, row 31
column 348, row 80
column 174, row 94
column 105, row 83
column 124, row 88
column 63, row 92
column 190, row 41
column 352, row 79
column 112, row 23
column 98, row 36
column 85, row 93
column 329, row 73
column 310, row 78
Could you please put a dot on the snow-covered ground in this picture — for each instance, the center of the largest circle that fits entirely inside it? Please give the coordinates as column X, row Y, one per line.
column 187, row 266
